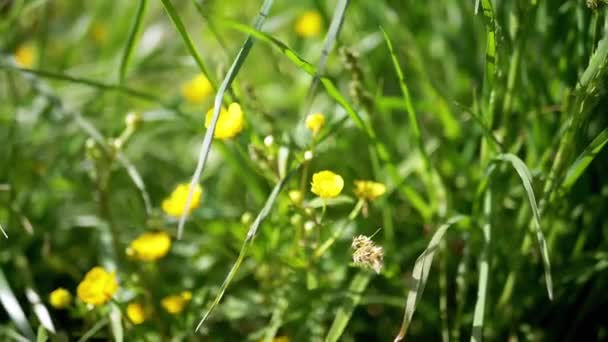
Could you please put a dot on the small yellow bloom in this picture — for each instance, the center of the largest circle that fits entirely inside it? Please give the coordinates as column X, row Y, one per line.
column 150, row 246
column 60, row 298
column 229, row 123
column 309, row 24
column 327, row 184
column 369, row 190
column 136, row 313
column 97, row 287
column 175, row 304
column 315, row 122
column 25, row 56
column 295, row 196
column 197, row 89
column 99, row 33
column 174, row 204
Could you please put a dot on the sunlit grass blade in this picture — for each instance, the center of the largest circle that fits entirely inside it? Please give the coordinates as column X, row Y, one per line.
column 526, row 179
column 40, row 310
column 208, row 139
column 181, row 29
column 247, row 243
column 42, row 335
column 420, row 274
column 13, row 309
column 116, row 323
column 488, row 16
column 124, row 61
column 330, row 38
column 584, row 159
column 3, row 232
column 484, row 270
column 345, row 311
column 94, row 329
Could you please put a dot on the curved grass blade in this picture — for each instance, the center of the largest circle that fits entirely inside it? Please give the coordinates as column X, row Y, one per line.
column 208, row 139
column 484, row 270
column 3, row 232
column 420, row 274
column 13, row 309
column 330, row 38
column 355, row 292
column 124, row 61
column 181, row 28
column 526, row 179
column 582, row 162
column 247, row 243
column 89, row 334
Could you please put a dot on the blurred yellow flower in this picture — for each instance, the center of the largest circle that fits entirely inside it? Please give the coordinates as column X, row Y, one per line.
column 309, row 24
column 175, row 304
column 197, row 89
column 315, row 122
column 295, row 196
column 174, row 204
column 60, row 298
column 97, row 287
column 99, row 32
column 136, row 313
column 369, row 190
column 327, row 184
column 150, row 246
column 229, row 123
column 25, row 56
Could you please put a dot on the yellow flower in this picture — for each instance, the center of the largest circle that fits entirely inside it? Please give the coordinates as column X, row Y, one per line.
column 295, row 196
column 326, row 184
column 309, row 24
column 175, row 304
column 369, row 190
column 25, row 56
column 197, row 89
column 315, row 122
column 174, row 204
column 136, row 313
column 150, row 246
column 97, row 287
column 230, row 122
column 60, row 298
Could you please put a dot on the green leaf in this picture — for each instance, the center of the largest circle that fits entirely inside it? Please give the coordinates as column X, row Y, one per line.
column 116, row 323
column 318, row 202
column 582, row 162
column 42, row 334
column 345, row 311
column 40, row 310
column 420, row 274
column 139, row 15
column 94, row 329
column 13, row 309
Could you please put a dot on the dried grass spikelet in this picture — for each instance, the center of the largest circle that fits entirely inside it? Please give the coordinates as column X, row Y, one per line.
column 367, row 254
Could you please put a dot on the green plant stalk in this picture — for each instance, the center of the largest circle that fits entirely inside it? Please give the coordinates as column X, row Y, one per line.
column 124, row 62
column 484, row 270
column 443, row 291
column 338, row 232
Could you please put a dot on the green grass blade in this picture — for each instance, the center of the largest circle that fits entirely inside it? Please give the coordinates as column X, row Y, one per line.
column 330, row 38
column 345, row 312
column 484, row 270
column 420, row 274
column 13, row 309
column 42, row 335
column 40, row 310
column 582, row 162
column 116, row 323
column 247, row 243
column 490, row 23
column 526, row 179
column 208, row 139
column 124, row 61
column 597, row 63
column 181, row 29
column 3, row 232
column 94, row 329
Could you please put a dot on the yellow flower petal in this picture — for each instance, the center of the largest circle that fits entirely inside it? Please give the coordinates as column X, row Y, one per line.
column 60, row 298
column 97, row 287
column 230, row 122
column 175, row 304
column 309, row 24
column 369, row 190
column 197, row 89
column 175, row 203
column 136, row 313
column 25, row 56
column 327, row 184
column 150, row 246
column 315, row 122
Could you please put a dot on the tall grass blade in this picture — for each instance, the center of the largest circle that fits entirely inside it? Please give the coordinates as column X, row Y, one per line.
column 181, row 29
column 345, row 312
column 484, row 270
column 420, row 274
column 42, row 335
column 116, row 323
column 526, row 179
column 208, row 139
column 247, row 243
column 40, row 310
column 124, row 61
column 580, row 164
column 94, row 329
column 13, row 309
column 3, row 232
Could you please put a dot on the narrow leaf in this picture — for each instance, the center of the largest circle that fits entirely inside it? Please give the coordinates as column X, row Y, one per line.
column 13, row 309
column 345, row 312
column 582, row 162
column 124, row 61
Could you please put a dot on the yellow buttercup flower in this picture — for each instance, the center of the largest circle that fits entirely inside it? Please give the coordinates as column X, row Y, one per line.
column 369, row 190
column 327, row 184
column 136, row 313
column 309, row 24
column 315, row 122
column 25, row 56
column 97, row 287
column 150, row 246
column 60, row 298
column 175, row 304
column 174, row 204
column 197, row 89
column 229, row 123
